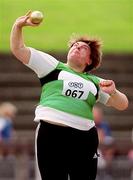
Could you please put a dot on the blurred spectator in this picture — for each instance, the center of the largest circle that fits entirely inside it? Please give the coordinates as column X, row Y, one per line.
column 130, row 152
column 7, row 114
column 106, row 143
column 104, row 130
column 130, row 157
column 108, row 149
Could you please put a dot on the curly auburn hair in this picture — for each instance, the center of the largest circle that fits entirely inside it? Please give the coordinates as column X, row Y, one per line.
column 95, row 47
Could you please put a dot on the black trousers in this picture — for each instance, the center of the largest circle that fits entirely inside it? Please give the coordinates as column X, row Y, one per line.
column 65, row 150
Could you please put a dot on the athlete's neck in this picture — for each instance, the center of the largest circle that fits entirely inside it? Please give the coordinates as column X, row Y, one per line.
column 76, row 69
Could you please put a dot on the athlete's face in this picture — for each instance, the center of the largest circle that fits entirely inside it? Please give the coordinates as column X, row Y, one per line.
column 79, row 55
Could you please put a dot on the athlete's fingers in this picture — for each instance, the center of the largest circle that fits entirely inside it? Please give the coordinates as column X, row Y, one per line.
column 28, row 13
column 106, row 83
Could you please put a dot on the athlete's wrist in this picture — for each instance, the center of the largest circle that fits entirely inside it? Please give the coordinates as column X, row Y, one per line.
column 114, row 92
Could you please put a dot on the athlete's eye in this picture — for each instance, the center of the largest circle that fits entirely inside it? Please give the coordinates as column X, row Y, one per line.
column 85, row 47
column 76, row 44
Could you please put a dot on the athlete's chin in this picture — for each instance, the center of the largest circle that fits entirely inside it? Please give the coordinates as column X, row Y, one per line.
column 74, row 61
column 74, row 57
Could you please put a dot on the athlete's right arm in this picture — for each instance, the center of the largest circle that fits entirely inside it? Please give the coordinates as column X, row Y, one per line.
column 17, row 45
column 41, row 63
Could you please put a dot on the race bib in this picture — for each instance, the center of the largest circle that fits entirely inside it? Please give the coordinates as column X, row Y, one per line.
column 76, row 87
column 77, row 90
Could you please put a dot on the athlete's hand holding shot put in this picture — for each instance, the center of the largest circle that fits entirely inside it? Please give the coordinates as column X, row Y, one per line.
column 67, row 139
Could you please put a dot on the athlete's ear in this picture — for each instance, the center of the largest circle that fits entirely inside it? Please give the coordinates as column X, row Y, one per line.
column 89, row 61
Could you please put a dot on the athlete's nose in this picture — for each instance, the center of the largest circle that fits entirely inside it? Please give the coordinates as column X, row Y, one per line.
column 78, row 46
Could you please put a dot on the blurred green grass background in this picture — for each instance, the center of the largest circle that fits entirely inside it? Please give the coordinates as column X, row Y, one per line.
column 111, row 20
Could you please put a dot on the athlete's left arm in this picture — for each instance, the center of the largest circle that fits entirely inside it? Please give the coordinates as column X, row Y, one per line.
column 117, row 99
